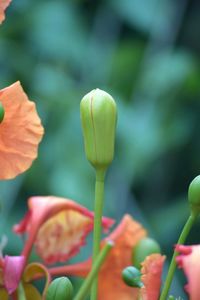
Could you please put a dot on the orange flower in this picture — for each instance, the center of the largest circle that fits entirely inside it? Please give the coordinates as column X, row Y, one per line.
column 20, row 132
column 57, row 227
column 3, row 5
column 125, row 237
column 189, row 260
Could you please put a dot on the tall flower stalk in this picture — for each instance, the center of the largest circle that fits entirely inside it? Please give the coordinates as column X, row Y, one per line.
column 98, row 117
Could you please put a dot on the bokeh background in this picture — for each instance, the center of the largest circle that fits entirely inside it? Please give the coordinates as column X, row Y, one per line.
column 146, row 54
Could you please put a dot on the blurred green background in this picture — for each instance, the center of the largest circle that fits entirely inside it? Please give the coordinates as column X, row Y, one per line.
column 147, row 55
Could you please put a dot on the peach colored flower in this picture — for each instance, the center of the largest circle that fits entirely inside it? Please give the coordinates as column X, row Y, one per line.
column 20, row 132
column 189, row 259
column 151, row 276
column 3, row 5
column 125, row 237
column 57, row 227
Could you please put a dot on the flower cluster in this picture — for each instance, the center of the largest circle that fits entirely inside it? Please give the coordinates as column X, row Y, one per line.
column 56, row 228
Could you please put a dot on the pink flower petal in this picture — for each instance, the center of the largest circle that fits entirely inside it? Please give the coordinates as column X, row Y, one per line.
column 12, row 272
column 189, row 260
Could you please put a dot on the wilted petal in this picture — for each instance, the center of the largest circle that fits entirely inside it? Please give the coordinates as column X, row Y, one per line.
column 12, row 272
column 151, row 276
column 31, row 292
column 57, row 227
column 62, row 236
column 189, row 259
column 32, row 272
column 20, row 132
column 3, row 5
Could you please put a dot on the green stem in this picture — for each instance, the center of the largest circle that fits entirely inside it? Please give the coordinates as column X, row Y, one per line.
column 84, row 290
column 186, row 229
column 99, row 200
column 21, row 293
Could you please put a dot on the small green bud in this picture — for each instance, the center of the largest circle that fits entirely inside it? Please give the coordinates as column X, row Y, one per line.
column 98, row 118
column 131, row 276
column 144, row 248
column 194, row 194
column 2, row 112
column 60, row 289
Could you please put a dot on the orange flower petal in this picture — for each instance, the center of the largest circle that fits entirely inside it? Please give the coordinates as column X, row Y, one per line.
column 125, row 236
column 151, row 276
column 189, row 260
column 57, row 227
column 111, row 286
column 20, row 132
column 3, row 5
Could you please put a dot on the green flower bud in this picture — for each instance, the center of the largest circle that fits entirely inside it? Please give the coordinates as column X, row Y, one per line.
column 98, row 118
column 131, row 276
column 144, row 248
column 60, row 289
column 2, row 112
column 194, row 194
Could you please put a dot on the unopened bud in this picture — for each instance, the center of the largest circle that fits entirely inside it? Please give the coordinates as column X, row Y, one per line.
column 60, row 289
column 194, row 194
column 131, row 276
column 98, row 118
column 2, row 112
column 144, row 248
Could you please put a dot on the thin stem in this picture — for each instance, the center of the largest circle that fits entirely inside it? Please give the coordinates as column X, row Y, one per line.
column 99, row 200
column 21, row 293
column 29, row 243
column 186, row 229
column 84, row 290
